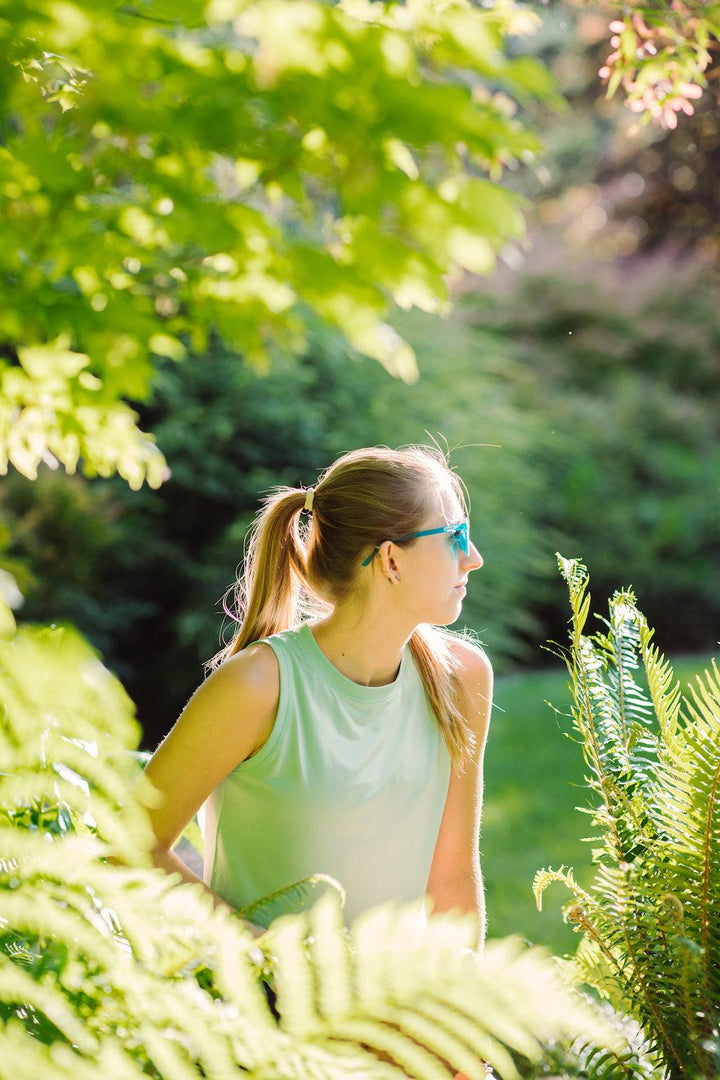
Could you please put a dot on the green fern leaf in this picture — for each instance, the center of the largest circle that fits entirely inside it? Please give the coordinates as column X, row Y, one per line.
column 291, row 899
column 665, row 690
column 412, row 1059
column 651, row 932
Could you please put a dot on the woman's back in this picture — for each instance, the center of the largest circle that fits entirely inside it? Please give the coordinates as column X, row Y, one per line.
column 352, row 779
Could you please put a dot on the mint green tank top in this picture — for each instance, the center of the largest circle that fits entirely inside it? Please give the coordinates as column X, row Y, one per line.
column 352, row 783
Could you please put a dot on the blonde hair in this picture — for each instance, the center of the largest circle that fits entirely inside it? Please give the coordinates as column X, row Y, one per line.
column 296, row 569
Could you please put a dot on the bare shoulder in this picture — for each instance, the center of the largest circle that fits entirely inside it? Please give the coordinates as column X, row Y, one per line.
column 253, row 670
column 230, row 715
column 245, row 686
column 476, row 680
column 474, row 666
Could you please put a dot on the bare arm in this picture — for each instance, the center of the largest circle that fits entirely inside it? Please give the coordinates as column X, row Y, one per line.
column 455, row 881
column 228, row 719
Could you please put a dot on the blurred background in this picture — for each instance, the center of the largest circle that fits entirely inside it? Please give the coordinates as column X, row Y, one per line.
column 576, row 391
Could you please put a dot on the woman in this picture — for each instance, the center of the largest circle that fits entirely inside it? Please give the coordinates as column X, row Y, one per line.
column 342, row 731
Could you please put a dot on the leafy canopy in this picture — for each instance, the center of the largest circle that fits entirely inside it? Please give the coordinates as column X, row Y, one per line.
column 170, row 171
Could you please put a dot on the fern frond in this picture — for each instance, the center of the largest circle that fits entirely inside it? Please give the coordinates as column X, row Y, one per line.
column 23, row 1057
column 664, row 689
column 21, row 990
column 458, row 1021
column 505, row 967
column 413, row 1059
column 430, row 1027
column 238, row 965
column 294, row 981
column 546, row 877
column 332, row 956
column 652, row 937
column 582, row 1058
column 189, row 1029
column 688, row 801
column 355, row 1060
column 34, row 916
column 291, row 899
column 601, row 1064
column 577, row 578
column 169, row 1059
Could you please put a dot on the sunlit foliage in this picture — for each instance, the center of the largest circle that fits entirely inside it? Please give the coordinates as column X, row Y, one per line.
column 650, row 932
column 172, row 170
column 107, row 966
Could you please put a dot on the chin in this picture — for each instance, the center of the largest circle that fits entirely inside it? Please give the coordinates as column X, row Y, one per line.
column 448, row 620
column 446, row 613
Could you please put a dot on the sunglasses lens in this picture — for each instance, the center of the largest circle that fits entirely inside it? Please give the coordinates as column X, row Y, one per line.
column 461, row 541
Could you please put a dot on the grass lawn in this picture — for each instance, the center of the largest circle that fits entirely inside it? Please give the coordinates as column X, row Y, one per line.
column 533, row 782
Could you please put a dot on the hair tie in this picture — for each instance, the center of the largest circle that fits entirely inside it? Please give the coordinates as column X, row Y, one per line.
column 309, row 497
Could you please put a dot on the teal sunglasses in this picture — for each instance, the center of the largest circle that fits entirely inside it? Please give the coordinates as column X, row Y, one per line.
column 459, row 534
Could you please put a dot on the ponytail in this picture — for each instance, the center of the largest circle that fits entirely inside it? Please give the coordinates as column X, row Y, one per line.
column 439, row 666
column 272, row 593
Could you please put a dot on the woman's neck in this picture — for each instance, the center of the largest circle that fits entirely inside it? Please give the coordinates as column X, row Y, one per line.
column 364, row 647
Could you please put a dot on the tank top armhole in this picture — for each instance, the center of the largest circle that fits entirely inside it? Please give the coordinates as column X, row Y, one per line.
column 281, row 718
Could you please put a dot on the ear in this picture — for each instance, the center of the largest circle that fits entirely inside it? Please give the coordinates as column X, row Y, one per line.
column 387, row 557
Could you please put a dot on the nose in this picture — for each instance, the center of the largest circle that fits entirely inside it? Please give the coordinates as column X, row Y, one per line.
column 473, row 560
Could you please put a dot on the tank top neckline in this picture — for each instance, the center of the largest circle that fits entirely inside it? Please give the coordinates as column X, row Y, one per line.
column 340, row 682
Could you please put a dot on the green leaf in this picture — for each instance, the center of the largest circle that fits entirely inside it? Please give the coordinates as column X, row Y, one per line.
column 614, row 82
column 291, row 900
column 43, row 362
column 165, row 345
column 7, row 619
